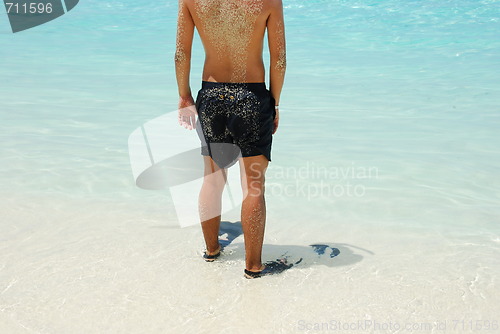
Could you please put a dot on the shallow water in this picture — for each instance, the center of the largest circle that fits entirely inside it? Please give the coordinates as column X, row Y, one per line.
column 388, row 150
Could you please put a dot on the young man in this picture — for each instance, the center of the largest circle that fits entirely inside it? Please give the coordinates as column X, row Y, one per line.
column 237, row 115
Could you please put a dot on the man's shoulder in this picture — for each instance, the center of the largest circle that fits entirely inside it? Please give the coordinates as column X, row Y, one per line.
column 275, row 3
column 188, row 2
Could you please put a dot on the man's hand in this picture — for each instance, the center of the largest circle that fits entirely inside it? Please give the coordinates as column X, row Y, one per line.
column 187, row 112
column 276, row 121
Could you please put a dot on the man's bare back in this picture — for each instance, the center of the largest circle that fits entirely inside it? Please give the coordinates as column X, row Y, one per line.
column 232, row 33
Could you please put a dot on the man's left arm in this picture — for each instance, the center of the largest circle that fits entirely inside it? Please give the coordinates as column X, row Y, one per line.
column 182, row 59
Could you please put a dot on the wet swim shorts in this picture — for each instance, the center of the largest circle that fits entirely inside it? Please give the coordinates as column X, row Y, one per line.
column 235, row 120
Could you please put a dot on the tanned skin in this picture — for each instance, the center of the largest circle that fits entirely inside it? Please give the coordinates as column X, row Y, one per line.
column 233, row 53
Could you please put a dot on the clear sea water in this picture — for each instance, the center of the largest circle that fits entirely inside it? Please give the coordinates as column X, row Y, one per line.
column 390, row 119
column 407, row 89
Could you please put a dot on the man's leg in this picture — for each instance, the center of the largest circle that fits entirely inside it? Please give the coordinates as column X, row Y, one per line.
column 210, row 202
column 253, row 210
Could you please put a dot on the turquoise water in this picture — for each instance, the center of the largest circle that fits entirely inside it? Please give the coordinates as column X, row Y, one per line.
column 406, row 89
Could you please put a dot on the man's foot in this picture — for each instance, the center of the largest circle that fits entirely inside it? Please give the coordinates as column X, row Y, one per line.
column 210, row 257
column 270, row 268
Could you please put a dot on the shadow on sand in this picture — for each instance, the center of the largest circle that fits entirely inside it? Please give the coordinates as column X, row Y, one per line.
column 284, row 257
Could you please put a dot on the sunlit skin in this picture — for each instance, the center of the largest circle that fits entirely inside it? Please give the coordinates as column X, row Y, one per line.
column 232, row 33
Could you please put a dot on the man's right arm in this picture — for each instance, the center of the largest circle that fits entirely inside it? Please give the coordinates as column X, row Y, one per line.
column 277, row 49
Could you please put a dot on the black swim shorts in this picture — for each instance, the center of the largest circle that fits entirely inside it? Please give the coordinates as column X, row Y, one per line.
column 235, row 120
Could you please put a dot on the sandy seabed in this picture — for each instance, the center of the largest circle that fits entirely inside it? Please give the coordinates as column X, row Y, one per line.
column 84, row 266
